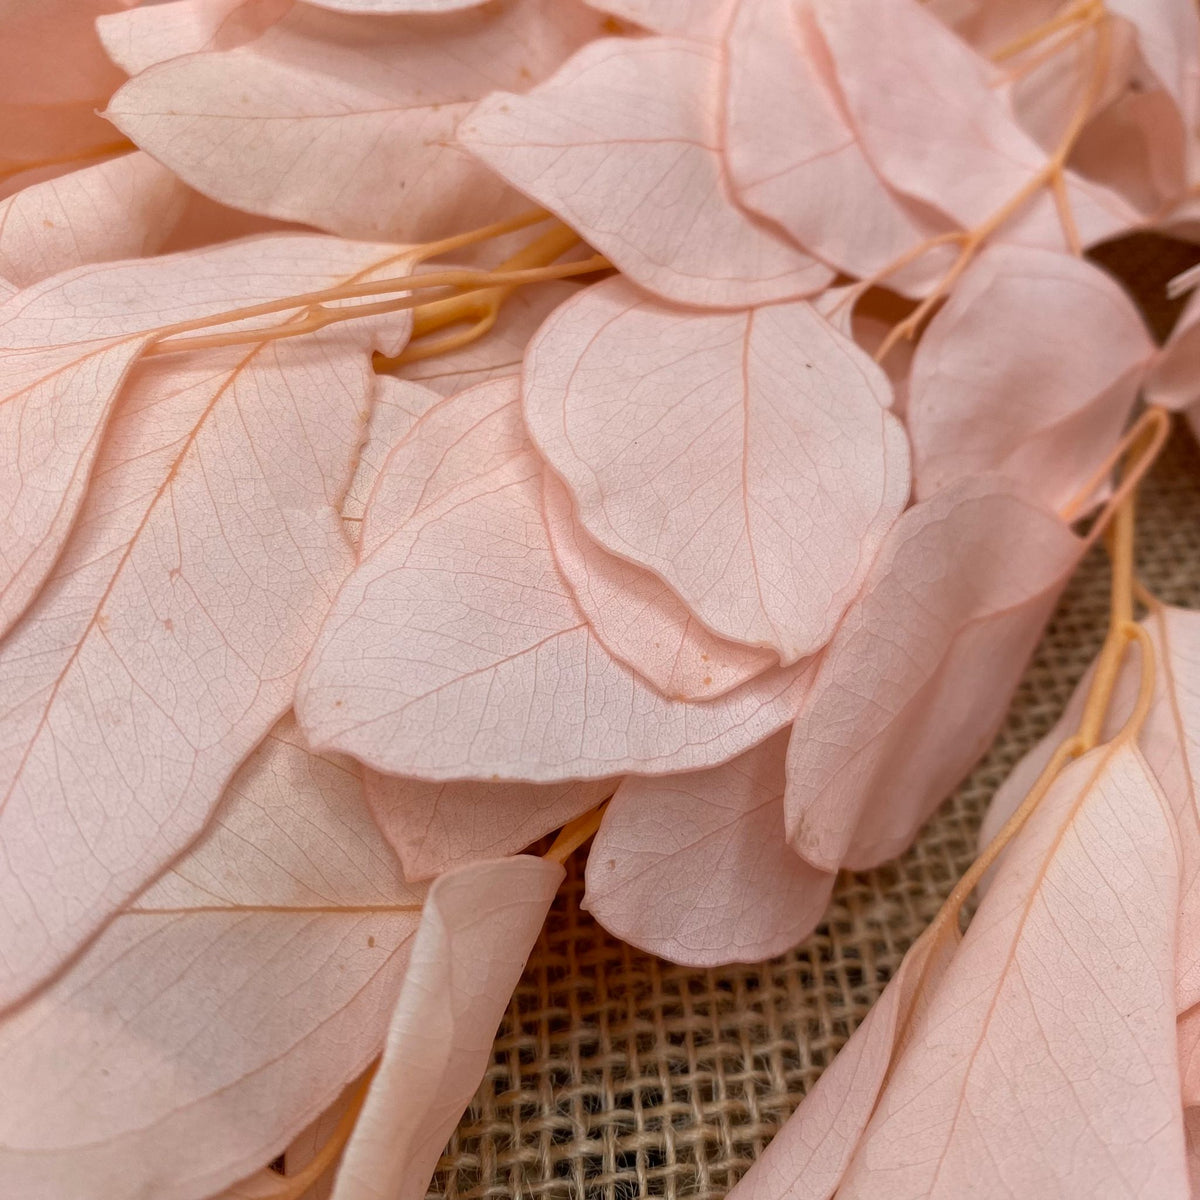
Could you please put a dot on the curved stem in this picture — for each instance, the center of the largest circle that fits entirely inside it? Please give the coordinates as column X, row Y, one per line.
column 1150, row 429
column 320, row 316
column 572, row 835
column 482, row 308
column 294, row 1186
column 1049, row 175
column 1081, row 10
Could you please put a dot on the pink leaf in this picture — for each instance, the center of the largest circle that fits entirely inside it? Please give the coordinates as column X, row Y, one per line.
column 141, row 37
column 1170, row 741
column 746, row 458
column 1001, row 379
column 396, row 406
column 1168, row 34
column 347, row 118
column 808, row 1157
column 121, row 208
column 68, row 344
column 923, row 106
column 639, row 619
column 896, row 715
column 695, row 868
column 985, row 1067
column 1132, row 146
column 454, row 449
column 479, row 925
column 624, row 144
column 1174, row 380
column 225, row 1009
column 1000, row 1073
column 62, row 395
column 456, row 651
column 166, row 641
column 434, row 827
column 795, row 158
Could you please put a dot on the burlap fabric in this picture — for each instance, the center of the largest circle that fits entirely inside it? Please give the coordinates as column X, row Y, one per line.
column 616, row 1075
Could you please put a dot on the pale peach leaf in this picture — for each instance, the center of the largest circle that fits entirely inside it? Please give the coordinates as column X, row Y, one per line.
column 1036, row 1057
column 123, row 208
column 225, row 1009
column 396, row 406
column 140, row 37
column 796, row 159
column 896, row 715
column 1001, row 379
column 1169, row 739
column 746, row 458
column 1054, row 1025
column 479, row 925
column 166, row 640
column 639, row 619
column 923, row 104
column 350, row 118
column 456, row 651
column 696, row 868
column 434, row 827
column 67, row 345
column 624, row 144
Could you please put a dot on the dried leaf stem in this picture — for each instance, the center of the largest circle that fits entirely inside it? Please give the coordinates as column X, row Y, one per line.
column 1144, row 441
column 479, row 307
column 318, row 316
column 1079, row 12
column 1050, row 175
column 294, row 1186
column 572, row 835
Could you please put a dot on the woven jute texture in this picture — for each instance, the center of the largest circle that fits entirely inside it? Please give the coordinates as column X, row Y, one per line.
column 616, row 1075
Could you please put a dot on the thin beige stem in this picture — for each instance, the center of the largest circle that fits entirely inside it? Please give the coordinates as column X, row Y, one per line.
column 1149, row 431
column 574, row 834
column 435, row 347
column 480, row 308
column 453, row 277
column 1028, row 65
column 1073, row 14
column 320, row 316
column 1046, row 176
column 1112, row 654
column 294, row 1186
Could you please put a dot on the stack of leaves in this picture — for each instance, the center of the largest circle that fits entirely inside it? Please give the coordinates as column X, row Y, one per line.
column 360, row 527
